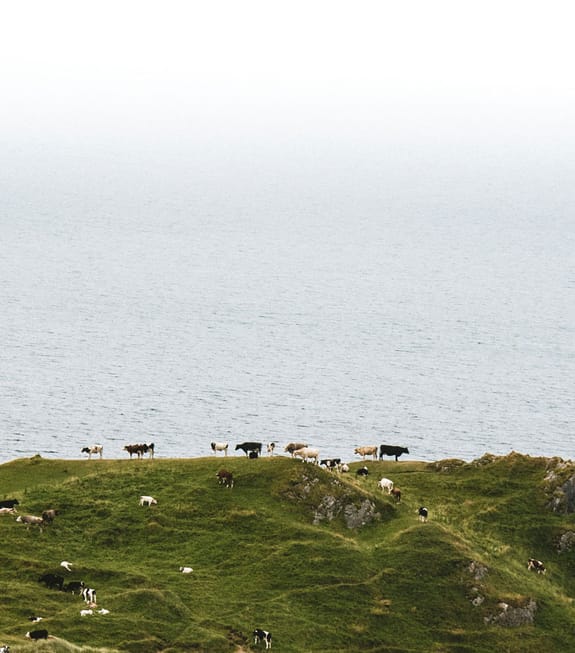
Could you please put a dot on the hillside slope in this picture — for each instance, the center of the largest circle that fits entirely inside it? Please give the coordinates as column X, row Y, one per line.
column 325, row 562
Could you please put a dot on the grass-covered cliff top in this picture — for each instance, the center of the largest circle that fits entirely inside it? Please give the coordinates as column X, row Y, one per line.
column 326, row 562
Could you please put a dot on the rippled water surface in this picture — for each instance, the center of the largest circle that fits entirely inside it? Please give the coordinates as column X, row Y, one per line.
column 185, row 301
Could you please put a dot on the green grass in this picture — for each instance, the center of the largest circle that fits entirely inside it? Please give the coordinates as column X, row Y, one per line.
column 261, row 560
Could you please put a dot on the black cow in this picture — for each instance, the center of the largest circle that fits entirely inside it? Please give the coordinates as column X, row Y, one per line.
column 9, row 503
column 246, row 447
column 53, row 581
column 390, row 450
column 37, row 634
column 263, row 636
column 74, row 586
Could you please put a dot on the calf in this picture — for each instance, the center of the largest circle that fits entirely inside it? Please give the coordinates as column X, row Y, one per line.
column 7, row 511
column 219, row 446
column 362, row 471
column 396, row 494
column 37, row 634
column 246, row 447
column 89, row 595
column 344, row 468
column 536, row 565
column 49, row 515
column 366, row 451
column 422, row 512
column 186, row 570
column 270, row 448
column 85, row 613
column 74, row 586
column 385, row 484
column 52, row 581
column 148, row 501
column 391, row 450
column 225, row 478
column 31, row 520
column 263, row 636
column 94, row 449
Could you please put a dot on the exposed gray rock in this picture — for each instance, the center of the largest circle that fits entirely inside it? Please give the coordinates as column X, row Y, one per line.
column 328, row 509
column 356, row 517
column 477, row 570
column 566, row 542
column 512, row 617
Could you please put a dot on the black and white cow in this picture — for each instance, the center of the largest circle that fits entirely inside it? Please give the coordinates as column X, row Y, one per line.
column 331, row 463
column 423, row 513
column 263, row 636
column 536, row 565
column 94, row 449
column 37, row 634
column 5, row 649
column 362, row 471
column 219, row 446
column 247, row 447
column 391, row 450
column 74, row 586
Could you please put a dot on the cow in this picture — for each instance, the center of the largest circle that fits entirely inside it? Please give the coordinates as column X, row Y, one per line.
column 225, row 478
column 186, row 570
column 49, row 515
column 74, row 586
column 140, row 449
column 52, row 581
column 344, row 468
column 9, row 503
column 253, row 454
column 5, row 649
column 391, row 450
column 385, row 484
column 263, row 636
column 37, row 634
column 31, row 520
column 246, row 447
column 94, row 449
column 362, row 471
column 85, row 613
column 148, row 501
column 67, row 565
column 536, row 565
column 423, row 513
column 331, row 464
column 34, row 619
column 89, row 595
column 396, row 494
column 270, row 448
column 219, row 446
column 307, row 453
column 7, row 511
column 366, row 451
column 294, row 446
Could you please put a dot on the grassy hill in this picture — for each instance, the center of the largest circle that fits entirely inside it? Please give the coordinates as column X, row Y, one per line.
column 277, row 552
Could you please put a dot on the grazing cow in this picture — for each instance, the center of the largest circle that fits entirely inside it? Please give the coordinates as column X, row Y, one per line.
column 263, row 636
column 186, row 570
column 31, row 520
column 294, row 446
column 246, row 447
column 74, row 586
column 331, row 464
column 9, row 503
column 307, row 453
column 362, row 471
column 66, row 565
column 390, row 450
column 536, row 565
column 423, row 513
column 148, row 501
column 396, row 494
column 94, row 449
column 366, row 451
column 385, row 484
column 253, row 454
column 89, row 595
column 270, row 448
column 49, row 515
column 225, row 478
column 37, row 634
column 34, row 619
column 219, row 446
column 52, row 581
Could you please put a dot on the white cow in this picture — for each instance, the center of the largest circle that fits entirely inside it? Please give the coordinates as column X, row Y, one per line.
column 148, row 501
column 307, row 453
column 385, row 484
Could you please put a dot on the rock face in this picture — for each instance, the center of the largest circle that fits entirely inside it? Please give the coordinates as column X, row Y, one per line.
column 512, row 617
column 560, row 486
column 355, row 517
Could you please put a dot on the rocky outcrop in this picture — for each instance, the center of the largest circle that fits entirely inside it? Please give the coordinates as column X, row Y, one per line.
column 513, row 617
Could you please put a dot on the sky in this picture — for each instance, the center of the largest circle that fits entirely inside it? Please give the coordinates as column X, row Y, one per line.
column 170, row 70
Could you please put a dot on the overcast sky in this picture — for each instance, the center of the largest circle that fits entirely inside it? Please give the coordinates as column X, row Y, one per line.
column 169, row 69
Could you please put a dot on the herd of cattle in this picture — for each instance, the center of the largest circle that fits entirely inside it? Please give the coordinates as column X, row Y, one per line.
column 252, row 450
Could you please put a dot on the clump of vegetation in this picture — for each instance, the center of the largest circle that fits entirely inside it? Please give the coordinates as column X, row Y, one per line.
column 326, row 562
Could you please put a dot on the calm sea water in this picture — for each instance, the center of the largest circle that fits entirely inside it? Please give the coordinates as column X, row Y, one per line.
column 404, row 298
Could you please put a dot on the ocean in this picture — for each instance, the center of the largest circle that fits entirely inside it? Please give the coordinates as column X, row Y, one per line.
column 340, row 296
